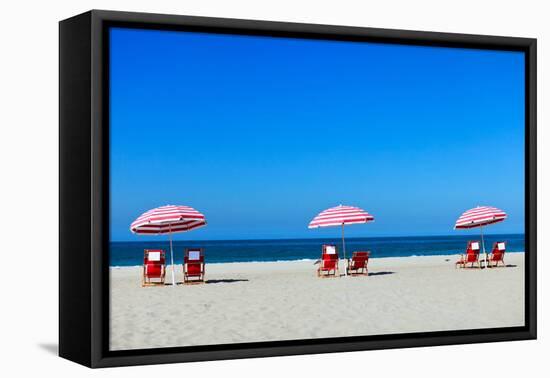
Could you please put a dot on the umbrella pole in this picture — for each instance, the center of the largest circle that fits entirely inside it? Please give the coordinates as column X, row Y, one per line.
column 344, row 250
column 172, row 256
column 483, row 246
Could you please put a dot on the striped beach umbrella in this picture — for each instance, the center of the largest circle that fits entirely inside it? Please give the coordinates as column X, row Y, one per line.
column 169, row 220
column 340, row 216
column 478, row 217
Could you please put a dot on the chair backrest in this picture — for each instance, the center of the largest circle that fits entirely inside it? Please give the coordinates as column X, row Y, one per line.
column 360, row 259
column 330, row 252
column 193, row 261
column 473, row 246
column 154, row 257
column 498, row 250
column 193, row 256
column 472, row 251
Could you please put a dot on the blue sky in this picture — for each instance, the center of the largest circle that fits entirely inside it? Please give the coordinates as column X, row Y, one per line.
column 260, row 133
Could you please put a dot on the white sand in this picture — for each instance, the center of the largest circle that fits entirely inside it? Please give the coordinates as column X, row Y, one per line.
column 248, row 302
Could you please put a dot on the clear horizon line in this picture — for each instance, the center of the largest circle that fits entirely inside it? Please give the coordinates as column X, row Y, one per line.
column 316, row 238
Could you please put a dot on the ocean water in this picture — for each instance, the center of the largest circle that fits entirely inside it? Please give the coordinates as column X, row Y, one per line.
column 220, row 251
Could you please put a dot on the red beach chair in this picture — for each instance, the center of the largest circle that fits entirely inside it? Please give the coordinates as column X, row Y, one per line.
column 471, row 257
column 193, row 265
column 357, row 265
column 497, row 254
column 329, row 262
column 154, row 267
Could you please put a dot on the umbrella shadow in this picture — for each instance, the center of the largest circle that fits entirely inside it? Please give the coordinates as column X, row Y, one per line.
column 384, row 273
column 505, row 266
column 227, row 280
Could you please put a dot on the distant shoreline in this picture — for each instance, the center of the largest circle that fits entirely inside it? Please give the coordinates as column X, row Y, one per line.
column 385, row 258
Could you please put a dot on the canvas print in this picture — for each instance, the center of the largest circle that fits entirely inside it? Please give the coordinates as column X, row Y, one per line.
column 269, row 189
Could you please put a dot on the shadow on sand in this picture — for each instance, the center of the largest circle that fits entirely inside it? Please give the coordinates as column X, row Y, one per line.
column 380, row 273
column 225, row 281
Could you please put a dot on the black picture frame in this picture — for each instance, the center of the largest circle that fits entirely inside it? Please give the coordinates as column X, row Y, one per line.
column 84, row 192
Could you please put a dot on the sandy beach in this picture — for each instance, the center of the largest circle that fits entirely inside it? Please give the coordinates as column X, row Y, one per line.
column 267, row 301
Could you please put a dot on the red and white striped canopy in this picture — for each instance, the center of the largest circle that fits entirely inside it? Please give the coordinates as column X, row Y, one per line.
column 480, row 216
column 168, row 219
column 340, row 215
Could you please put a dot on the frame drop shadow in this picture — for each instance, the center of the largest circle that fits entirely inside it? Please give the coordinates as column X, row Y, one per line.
column 51, row 348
